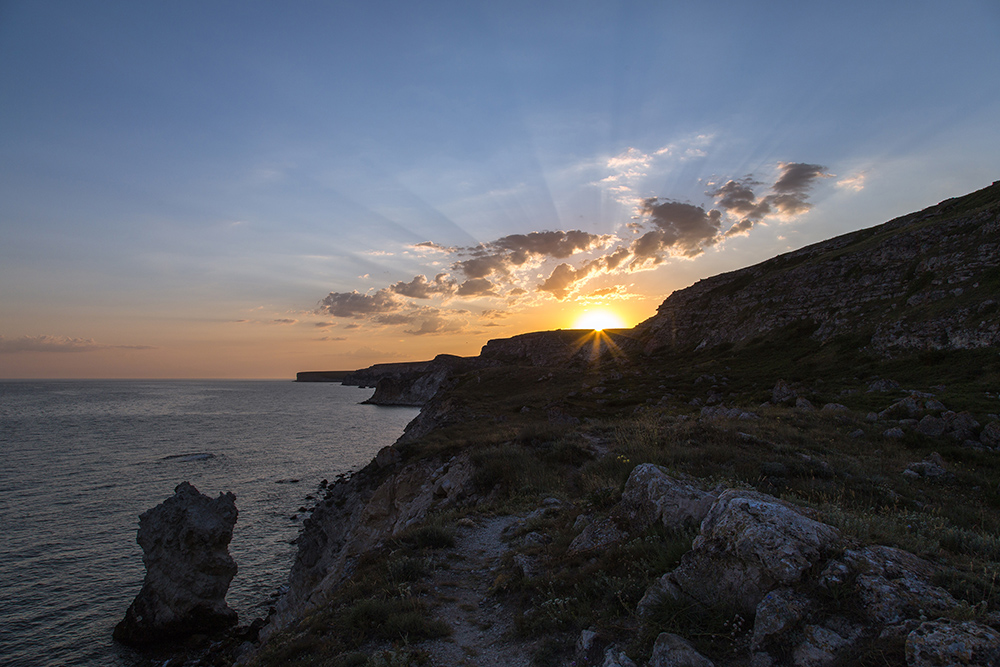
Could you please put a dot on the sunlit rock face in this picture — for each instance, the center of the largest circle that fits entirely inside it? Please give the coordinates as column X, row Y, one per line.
column 185, row 542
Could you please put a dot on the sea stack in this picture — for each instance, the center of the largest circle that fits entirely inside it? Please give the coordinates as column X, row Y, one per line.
column 185, row 542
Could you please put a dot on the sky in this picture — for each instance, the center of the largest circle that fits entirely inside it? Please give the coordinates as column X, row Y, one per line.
column 250, row 189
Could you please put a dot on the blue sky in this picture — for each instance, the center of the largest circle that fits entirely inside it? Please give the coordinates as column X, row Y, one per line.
column 198, row 189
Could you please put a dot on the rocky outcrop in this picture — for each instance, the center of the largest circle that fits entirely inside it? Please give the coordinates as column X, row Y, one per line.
column 185, row 542
column 415, row 387
column 651, row 496
column 765, row 561
column 361, row 514
column 925, row 281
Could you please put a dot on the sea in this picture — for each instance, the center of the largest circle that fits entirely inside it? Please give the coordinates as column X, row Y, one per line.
column 80, row 460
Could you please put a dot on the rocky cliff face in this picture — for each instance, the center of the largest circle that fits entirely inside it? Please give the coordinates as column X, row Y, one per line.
column 185, row 542
column 926, row 281
column 415, row 385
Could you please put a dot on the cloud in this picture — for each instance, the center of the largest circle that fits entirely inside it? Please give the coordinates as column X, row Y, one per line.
column 332, row 338
column 517, row 270
column 477, row 287
column 59, row 344
column 684, row 229
column 789, row 196
column 421, row 288
column 854, row 183
column 357, row 305
column 285, row 320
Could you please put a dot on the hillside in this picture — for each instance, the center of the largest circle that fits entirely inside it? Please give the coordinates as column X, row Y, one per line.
column 797, row 463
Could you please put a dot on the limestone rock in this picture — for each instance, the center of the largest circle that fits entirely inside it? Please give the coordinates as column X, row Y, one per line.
column 615, row 657
column 820, row 647
column 673, row 651
column 185, row 542
column 990, row 435
column 779, row 611
column 931, row 426
column 932, row 468
column 651, row 497
column 949, row 643
column 893, row 584
column 782, row 393
column 750, row 544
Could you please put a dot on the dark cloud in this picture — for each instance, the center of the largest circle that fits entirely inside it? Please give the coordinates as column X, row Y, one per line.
column 421, row 288
column 789, row 195
column 477, row 287
column 564, row 278
column 556, row 244
column 481, row 267
column 324, row 324
column 284, row 320
column 357, row 305
column 798, row 177
column 687, row 229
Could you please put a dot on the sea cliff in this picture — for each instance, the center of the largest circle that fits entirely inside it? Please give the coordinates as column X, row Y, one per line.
column 797, row 463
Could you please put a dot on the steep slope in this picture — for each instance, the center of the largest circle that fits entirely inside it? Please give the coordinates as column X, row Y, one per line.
column 925, row 281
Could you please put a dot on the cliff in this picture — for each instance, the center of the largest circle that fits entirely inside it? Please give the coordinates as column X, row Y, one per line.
column 796, row 463
column 925, row 281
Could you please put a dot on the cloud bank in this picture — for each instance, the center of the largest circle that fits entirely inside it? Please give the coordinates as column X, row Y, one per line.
column 524, row 269
column 59, row 344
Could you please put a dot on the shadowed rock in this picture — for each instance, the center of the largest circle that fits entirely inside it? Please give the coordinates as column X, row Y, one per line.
column 185, row 543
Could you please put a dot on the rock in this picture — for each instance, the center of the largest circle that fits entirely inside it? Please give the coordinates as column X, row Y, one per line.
column 883, row 386
column 856, row 433
column 804, row 404
column 615, row 657
column 782, row 393
column 961, row 426
column 904, row 407
column 990, row 436
column 185, row 542
column 893, row 584
column 834, row 408
column 779, row 611
column 895, row 433
column 932, row 467
column 820, row 648
column 673, row 651
column 931, row 426
column 951, row 643
column 651, row 497
column 750, row 544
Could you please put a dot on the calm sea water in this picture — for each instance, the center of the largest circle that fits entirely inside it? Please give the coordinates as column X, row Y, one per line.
column 80, row 460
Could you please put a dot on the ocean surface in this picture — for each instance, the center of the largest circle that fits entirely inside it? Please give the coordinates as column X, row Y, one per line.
column 80, row 460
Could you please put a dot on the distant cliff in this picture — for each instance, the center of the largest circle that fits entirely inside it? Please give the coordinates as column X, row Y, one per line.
column 925, row 281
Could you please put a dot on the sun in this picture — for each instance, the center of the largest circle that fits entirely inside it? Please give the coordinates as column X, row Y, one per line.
column 598, row 320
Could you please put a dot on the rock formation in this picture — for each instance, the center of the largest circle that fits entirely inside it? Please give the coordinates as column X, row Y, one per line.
column 185, row 543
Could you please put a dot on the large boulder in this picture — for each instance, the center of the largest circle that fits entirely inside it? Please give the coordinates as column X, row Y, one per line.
column 749, row 545
column 185, row 542
column 651, row 497
column 952, row 643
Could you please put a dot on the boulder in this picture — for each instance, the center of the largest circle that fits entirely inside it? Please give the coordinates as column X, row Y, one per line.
column 673, row 651
column 990, row 436
column 931, row 426
column 651, row 497
column 749, row 545
column 782, row 393
column 185, row 542
column 961, row 426
column 951, row 643
column 893, row 584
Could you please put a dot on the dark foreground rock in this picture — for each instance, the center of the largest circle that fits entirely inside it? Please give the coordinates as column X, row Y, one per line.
column 185, row 542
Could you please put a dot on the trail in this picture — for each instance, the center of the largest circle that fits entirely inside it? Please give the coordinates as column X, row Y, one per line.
column 482, row 628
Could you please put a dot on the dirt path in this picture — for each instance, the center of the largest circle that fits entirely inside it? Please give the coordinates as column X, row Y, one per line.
column 482, row 629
